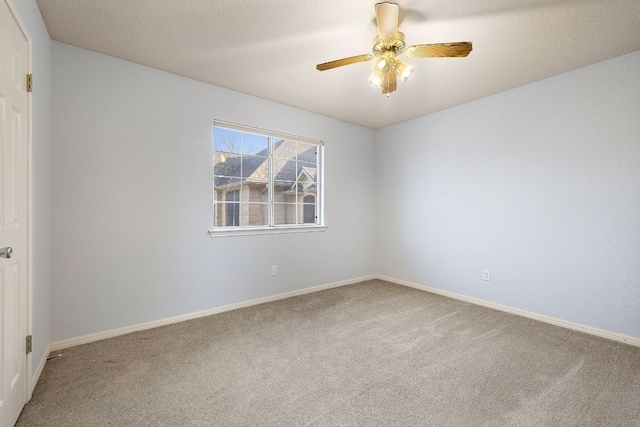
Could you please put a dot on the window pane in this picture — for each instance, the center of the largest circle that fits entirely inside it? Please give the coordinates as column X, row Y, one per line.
column 254, row 214
column 224, row 184
column 232, row 196
column 308, row 210
column 307, row 153
column 229, row 141
column 227, row 214
column 284, row 149
column 218, row 214
column 256, row 145
column 255, row 167
column 255, row 191
column 232, row 214
column 284, row 191
column 307, row 172
column 284, row 170
column 226, row 164
column 284, row 213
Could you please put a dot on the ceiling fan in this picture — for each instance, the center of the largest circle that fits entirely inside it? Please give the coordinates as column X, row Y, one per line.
column 389, row 44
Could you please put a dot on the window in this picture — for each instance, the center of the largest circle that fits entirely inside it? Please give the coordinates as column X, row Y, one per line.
column 264, row 181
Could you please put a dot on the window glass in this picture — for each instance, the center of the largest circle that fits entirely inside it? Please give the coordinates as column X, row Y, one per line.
column 285, row 213
column 227, row 141
column 256, row 145
column 263, row 180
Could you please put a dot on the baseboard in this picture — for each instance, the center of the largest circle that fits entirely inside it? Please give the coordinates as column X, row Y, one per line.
column 36, row 375
column 85, row 339
column 603, row 333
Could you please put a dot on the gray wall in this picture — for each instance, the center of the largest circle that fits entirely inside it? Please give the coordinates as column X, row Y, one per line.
column 133, row 198
column 41, row 175
column 540, row 184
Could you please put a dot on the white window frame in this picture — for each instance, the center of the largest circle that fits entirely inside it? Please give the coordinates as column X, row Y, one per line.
column 272, row 228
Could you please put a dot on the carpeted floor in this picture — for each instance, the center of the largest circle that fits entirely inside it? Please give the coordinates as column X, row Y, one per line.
column 370, row 354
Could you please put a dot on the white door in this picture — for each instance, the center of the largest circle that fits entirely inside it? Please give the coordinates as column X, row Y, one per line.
column 13, row 217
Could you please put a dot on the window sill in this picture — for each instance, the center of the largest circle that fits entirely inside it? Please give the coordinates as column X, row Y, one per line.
column 251, row 231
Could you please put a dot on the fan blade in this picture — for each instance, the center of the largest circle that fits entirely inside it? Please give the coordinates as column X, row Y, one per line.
column 344, row 61
column 387, row 18
column 439, row 50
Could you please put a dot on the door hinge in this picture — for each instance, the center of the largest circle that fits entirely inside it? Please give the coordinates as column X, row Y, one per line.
column 29, row 82
column 29, row 344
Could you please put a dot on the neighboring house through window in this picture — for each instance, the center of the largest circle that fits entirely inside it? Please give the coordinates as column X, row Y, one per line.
column 265, row 180
column 309, row 209
column 233, row 208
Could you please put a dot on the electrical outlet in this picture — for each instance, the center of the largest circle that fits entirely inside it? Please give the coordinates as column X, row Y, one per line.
column 274, row 270
column 487, row 275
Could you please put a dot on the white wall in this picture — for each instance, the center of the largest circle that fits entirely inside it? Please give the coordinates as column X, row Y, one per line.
column 41, row 177
column 540, row 184
column 133, row 193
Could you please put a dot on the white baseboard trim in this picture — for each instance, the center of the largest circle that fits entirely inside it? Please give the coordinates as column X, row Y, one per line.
column 36, row 375
column 85, row 339
column 603, row 333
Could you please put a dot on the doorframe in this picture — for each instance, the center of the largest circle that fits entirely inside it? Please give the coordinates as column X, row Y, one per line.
column 29, row 257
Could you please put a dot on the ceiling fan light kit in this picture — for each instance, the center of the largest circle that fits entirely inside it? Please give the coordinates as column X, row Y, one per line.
column 389, row 44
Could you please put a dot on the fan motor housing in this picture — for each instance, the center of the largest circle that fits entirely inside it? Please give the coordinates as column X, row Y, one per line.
column 397, row 45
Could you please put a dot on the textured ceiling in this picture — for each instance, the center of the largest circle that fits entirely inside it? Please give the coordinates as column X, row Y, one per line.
column 270, row 48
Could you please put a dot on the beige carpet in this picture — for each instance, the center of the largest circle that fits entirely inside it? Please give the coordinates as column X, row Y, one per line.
column 370, row 354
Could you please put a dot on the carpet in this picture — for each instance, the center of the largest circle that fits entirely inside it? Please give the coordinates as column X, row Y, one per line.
column 369, row 354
